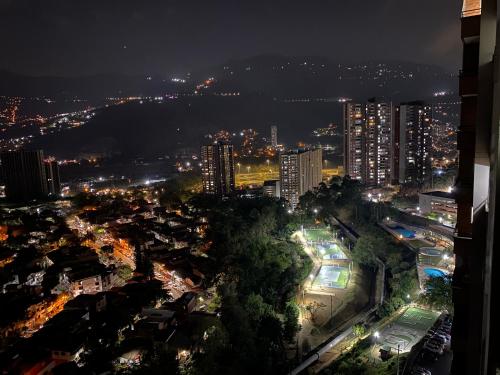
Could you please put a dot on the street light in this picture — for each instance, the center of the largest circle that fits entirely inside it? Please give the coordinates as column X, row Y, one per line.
column 376, row 334
column 315, row 210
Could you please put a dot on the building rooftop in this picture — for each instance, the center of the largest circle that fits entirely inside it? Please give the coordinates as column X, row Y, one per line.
column 440, row 194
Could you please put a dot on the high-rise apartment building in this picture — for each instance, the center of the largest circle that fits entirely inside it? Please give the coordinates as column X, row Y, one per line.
column 24, row 174
column 300, row 171
column 475, row 334
column 412, row 142
column 354, row 140
column 218, row 168
column 368, row 139
column 274, row 136
column 53, row 177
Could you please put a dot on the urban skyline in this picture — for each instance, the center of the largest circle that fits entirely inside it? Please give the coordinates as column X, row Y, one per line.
column 264, row 188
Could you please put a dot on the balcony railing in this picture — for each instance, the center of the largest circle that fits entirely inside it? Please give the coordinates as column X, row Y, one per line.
column 471, row 12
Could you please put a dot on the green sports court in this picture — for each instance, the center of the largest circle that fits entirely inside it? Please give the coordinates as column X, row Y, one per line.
column 332, row 277
column 408, row 328
column 317, row 235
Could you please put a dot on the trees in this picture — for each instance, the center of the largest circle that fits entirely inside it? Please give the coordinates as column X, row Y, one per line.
column 258, row 272
column 358, row 330
column 366, row 249
column 438, row 293
column 291, row 324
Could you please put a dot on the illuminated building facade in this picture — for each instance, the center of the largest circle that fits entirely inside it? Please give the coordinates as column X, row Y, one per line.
column 274, row 136
column 413, row 143
column 354, row 140
column 300, row 172
column 368, row 142
column 217, row 168
column 53, row 178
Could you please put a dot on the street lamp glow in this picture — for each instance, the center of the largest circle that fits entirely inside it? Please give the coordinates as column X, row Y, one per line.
column 315, row 210
column 376, row 334
column 370, row 195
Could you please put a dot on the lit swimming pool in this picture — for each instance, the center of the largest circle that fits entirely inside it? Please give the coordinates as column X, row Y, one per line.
column 429, row 251
column 406, row 233
column 434, row 272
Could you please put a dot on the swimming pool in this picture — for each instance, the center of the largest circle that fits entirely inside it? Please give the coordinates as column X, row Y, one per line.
column 429, row 251
column 406, row 233
column 434, row 272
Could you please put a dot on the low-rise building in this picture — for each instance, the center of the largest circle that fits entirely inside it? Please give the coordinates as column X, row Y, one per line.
column 271, row 188
column 439, row 202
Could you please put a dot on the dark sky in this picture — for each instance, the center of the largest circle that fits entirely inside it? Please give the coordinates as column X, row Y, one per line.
column 68, row 37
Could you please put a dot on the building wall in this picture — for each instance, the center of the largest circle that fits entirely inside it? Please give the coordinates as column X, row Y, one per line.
column 354, row 140
column 415, row 143
column 300, row 171
column 274, row 136
column 368, row 142
column 218, row 169
column 25, row 177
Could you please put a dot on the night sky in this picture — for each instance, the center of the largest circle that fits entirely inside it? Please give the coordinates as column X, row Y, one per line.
column 66, row 37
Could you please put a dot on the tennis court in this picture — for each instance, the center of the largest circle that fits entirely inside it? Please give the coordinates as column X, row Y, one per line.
column 318, row 235
column 330, row 250
column 332, row 277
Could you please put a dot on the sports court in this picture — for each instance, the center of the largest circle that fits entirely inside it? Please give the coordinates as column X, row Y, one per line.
column 318, row 235
column 408, row 329
column 330, row 250
column 332, row 277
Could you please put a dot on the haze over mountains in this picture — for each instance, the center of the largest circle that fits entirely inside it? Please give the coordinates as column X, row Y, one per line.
column 296, row 93
column 280, row 76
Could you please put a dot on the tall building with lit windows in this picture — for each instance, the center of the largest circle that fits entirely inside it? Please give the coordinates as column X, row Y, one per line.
column 413, row 147
column 53, row 177
column 368, row 147
column 300, row 172
column 354, row 140
column 218, row 168
column 274, row 136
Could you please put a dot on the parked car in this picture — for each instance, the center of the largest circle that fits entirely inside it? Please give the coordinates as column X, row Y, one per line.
column 418, row 370
column 434, row 346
